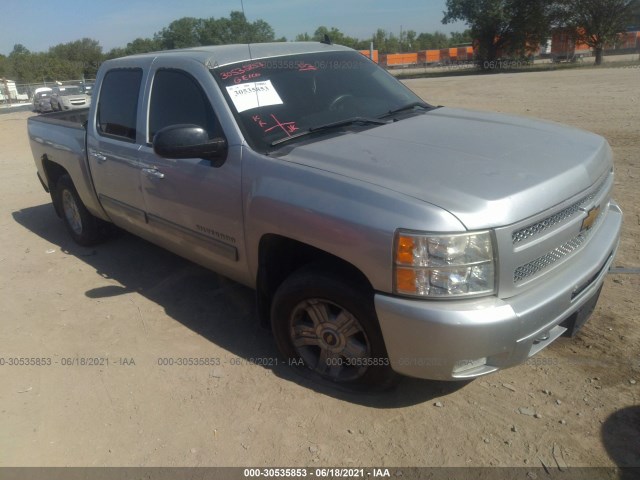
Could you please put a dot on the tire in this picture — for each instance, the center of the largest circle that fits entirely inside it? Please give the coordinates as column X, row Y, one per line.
column 329, row 325
column 84, row 228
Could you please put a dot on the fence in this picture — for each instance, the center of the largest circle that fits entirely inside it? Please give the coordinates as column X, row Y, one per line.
column 11, row 92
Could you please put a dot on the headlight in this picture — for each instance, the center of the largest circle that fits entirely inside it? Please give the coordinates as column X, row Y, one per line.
column 444, row 265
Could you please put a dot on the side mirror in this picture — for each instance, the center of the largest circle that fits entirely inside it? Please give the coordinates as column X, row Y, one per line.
column 189, row 141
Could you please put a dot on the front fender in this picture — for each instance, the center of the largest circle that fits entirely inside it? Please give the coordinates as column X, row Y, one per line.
column 345, row 217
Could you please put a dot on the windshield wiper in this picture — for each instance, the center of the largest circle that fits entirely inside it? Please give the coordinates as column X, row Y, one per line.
column 408, row 106
column 329, row 126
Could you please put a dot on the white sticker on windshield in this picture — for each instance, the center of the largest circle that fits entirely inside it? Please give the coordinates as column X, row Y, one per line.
column 253, row 95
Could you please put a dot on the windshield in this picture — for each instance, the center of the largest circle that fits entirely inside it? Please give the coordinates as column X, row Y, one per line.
column 275, row 99
column 70, row 91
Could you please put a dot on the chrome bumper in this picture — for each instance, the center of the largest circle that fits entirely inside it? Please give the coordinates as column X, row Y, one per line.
column 461, row 339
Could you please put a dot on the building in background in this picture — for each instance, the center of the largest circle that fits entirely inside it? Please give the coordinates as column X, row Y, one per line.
column 9, row 92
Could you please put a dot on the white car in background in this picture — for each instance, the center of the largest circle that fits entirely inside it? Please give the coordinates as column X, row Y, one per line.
column 42, row 99
column 69, row 98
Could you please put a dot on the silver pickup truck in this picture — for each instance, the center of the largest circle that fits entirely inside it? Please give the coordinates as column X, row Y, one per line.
column 382, row 234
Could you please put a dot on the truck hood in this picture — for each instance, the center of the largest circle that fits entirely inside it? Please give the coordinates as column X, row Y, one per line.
column 487, row 169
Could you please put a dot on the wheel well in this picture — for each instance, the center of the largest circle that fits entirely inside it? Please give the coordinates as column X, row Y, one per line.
column 279, row 257
column 53, row 172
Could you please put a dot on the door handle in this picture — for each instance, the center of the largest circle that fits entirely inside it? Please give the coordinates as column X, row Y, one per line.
column 152, row 172
column 99, row 156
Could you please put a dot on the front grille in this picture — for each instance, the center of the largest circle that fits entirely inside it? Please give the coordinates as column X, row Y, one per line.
column 529, row 269
column 533, row 267
column 537, row 228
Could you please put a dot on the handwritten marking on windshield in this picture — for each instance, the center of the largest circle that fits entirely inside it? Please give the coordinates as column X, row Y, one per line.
column 246, row 78
column 259, row 121
column 244, row 69
column 305, row 67
column 287, row 127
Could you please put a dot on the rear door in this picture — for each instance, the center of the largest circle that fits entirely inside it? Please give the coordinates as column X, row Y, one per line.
column 193, row 206
column 112, row 148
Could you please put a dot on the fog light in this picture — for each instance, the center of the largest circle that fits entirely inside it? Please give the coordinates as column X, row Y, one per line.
column 543, row 337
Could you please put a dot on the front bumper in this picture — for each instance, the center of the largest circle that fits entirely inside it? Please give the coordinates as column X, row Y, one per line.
column 43, row 107
column 461, row 339
column 72, row 107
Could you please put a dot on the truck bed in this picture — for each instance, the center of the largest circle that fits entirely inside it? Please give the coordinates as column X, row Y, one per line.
column 58, row 138
column 66, row 118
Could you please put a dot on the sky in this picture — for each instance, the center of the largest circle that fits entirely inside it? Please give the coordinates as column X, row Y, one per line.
column 40, row 24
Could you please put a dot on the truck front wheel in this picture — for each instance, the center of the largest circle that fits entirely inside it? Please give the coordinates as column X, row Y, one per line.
column 85, row 229
column 328, row 324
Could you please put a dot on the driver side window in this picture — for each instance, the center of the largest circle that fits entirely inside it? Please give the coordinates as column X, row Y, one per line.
column 177, row 98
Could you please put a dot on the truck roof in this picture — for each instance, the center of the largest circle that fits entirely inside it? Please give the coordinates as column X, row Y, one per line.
column 217, row 55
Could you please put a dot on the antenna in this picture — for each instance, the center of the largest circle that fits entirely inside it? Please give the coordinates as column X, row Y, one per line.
column 247, row 23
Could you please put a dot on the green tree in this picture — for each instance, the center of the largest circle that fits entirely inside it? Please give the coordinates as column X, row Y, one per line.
column 181, row 33
column 336, row 36
column 386, row 42
column 139, row 45
column 598, row 22
column 142, row 45
column 215, row 31
column 379, row 38
column 24, row 66
column 115, row 53
column 392, row 44
column 235, row 29
column 20, row 63
column 320, row 33
column 409, row 41
column 460, row 38
column 85, row 53
column 633, row 20
column 432, row 41
column 19, row 49
column 58, row 68
column 191, row 32
column 262, row 32
column 502, row 26
column 4, row 66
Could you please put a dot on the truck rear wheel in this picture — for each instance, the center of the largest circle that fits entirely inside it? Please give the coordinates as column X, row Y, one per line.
column 85, row 229
column 329, row 325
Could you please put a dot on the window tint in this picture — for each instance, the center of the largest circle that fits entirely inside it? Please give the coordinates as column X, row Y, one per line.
column 282, row 97
column 176, row 98
column 118, row 103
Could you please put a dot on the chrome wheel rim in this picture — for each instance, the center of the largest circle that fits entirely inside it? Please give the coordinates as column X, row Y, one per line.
column 330, row 340
column 71, row 212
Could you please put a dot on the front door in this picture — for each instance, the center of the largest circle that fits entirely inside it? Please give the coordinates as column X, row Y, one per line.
column 193, row 207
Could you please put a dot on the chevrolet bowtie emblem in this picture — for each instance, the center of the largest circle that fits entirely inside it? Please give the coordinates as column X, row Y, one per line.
column 590, row 219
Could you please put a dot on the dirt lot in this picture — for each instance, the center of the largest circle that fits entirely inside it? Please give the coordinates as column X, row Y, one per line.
column 132, row 303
